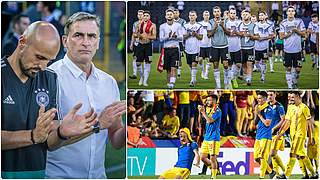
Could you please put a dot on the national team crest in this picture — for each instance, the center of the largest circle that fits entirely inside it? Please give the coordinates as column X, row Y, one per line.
column 42, row 97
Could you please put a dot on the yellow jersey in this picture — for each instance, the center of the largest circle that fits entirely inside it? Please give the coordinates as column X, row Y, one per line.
column 298, row 116
column 193, row 95
column 171, row 124
column 159, row 95
column 184, row 97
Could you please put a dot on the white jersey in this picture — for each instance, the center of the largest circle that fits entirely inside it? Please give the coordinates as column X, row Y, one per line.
column 233, row 41
column 292, row 44
column 263, row 30
column 205, row 42
column 314, row 29
column 192, row 44
column 164, row 32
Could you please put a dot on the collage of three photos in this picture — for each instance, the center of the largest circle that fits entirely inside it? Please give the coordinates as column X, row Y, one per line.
column 159, row 89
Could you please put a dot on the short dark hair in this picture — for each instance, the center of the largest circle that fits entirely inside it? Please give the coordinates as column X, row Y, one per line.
column 314, row 15
column 140, row 10
column 16, row 19
column 169, row 10
column 50, row 4
column 297, row 93
column 291, row 7
column 80, row 16
column 263, row 94
column 146, row 12
column 216, row 7
column 193, row 11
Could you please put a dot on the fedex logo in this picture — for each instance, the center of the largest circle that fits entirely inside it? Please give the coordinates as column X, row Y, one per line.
column 238, row 167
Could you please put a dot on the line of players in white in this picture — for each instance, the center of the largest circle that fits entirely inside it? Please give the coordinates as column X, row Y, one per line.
column 236, row 43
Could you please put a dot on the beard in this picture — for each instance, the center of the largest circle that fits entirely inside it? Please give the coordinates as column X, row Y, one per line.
column 27, row 71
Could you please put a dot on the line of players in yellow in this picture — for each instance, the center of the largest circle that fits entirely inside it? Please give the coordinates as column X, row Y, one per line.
column 272, row 122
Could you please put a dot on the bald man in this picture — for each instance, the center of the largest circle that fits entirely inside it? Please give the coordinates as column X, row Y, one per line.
column 28, row 119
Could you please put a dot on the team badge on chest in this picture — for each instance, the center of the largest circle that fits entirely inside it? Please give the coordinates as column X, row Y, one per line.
column 42, row 97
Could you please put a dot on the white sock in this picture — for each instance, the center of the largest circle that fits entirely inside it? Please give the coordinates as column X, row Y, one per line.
column 172, row 80
column 236, row 72
column 289, row 79
column 179, row 70
column 201, row 66
column 216, row 74
column 257, row 65
column 263, row 67
column 317, row 60
column 271, row 63
column 146, row 72
column 225, row 78
column 313, row 58
column 139, row 68
column 134, row 65
column 193, row 74
column 208, row 66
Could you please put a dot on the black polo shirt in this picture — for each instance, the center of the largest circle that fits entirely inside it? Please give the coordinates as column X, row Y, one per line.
column 20, row 103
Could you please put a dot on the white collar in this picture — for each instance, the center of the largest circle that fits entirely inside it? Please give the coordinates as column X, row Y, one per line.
column 75, row 70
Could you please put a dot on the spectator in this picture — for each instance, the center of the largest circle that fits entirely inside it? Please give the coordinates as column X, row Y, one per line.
column 133, row 138
column 46, row 9
column 19, row 24
column 228, row 111
column 158, row 106
column 184, row 108
column 241, row 102
column 180, row 5
column 193, row 108
column 171, row 123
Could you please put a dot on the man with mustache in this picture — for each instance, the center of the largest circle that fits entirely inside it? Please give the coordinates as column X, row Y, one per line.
column 80, row 80
column 28, row 124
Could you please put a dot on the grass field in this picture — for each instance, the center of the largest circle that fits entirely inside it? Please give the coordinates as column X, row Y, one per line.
column 218, row 177
column 308, row 78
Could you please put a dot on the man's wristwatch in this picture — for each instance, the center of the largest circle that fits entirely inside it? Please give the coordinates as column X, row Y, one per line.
column 96, row 127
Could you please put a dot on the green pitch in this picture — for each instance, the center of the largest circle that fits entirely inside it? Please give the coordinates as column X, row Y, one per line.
column 309, row 78
column 218, row 177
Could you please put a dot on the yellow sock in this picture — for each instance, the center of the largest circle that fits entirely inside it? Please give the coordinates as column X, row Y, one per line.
column 290, row 165
column 279, row 162
column 316, row 162
column 269, row 170
column 214, row 173
column 263, row 167
column 307, row 163
column 302, row 167
column 275, row 164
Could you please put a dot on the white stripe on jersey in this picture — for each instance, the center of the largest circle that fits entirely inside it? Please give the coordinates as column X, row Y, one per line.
column 292, row 44
column 233, row 41
column 205, row 42
column 192, row 44
column 314, row 29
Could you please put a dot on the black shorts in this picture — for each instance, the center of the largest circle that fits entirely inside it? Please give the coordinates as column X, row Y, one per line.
column 270, row 46
column 219, row 53
column 247, row 55
column 292, row 60
column 191, row 58
column 205, row 52
column 279, row 46
column 313, row 48
column 171, row 58
column 235, row 57
column 261, row 55
column 144, row 51
column 181, row 47
column 134, row 49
